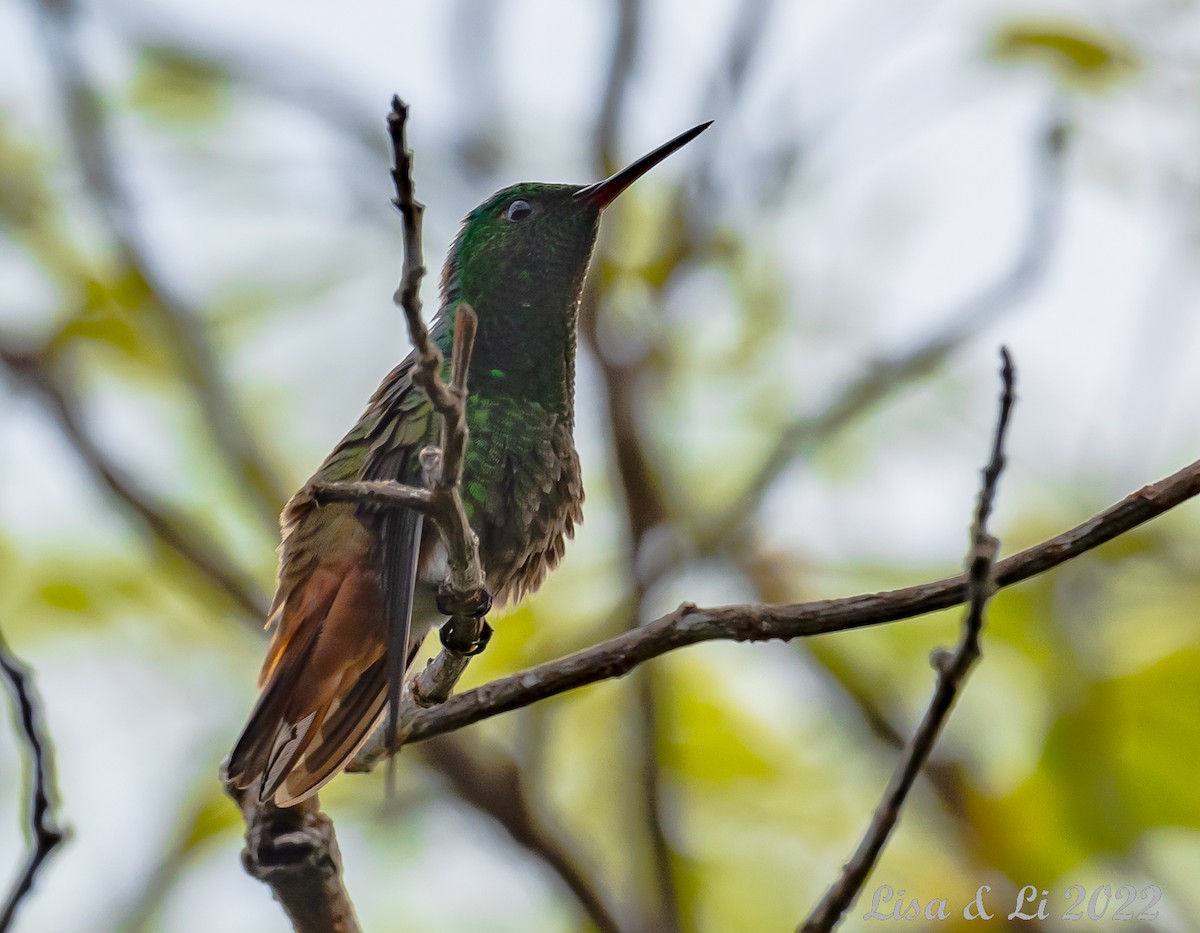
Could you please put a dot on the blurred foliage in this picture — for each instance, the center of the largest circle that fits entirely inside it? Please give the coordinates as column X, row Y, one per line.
column 183, row 91
column 1079, row 56
column 1075, row 743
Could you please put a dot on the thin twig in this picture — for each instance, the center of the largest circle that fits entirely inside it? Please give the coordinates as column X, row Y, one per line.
column 465, row 585
column 465, row 589
column 952, row 670
column 44, row 832
column 381, row 493
column 689, row 624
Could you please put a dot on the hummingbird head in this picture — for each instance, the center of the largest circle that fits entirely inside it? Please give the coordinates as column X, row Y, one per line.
column 525, row 250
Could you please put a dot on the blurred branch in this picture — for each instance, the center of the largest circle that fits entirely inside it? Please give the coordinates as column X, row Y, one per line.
column 86, row 131
column 176, row 532
column 952, row 670
column 616, row 85
column 884, row 376
column 690, row 624
column 644, row 505
column 496, row 786
column 45, row 835
column 725, row 87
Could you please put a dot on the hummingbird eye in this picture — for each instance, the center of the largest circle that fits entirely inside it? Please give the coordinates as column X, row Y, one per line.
column 518, row 210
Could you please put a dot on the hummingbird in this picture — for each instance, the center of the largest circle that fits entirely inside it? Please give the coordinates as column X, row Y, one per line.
column 345, row 570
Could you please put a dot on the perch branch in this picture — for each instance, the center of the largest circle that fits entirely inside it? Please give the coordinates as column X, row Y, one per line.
column 690, row 624
column 952, row 670
column 306, row 877
column 44, row 832
column 294, row 851
column 465, row 581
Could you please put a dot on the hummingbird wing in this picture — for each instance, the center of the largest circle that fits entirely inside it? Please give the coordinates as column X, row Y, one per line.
column 344, row 599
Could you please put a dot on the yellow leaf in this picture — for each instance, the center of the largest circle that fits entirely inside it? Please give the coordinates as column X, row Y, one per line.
column 1074, row 53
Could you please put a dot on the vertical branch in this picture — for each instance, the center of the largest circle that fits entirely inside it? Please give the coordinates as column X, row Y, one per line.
column 952, row 670
column 295, row 852
column 465, row 592
column 44, row 832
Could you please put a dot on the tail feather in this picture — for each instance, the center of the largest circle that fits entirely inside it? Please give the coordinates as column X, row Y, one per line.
column 340, row 649
column 336, row 740
column 257, row 740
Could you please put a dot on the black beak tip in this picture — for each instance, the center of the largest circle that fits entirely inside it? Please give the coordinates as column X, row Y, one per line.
column 605, row 192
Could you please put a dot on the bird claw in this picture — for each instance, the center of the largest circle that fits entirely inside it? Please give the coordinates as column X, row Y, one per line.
column 447, row 605
column 447, row 635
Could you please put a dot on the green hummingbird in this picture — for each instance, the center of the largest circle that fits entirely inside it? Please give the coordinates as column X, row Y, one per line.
column 348, row 572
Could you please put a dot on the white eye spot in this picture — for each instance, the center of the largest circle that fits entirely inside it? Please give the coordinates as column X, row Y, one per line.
column 518, row 210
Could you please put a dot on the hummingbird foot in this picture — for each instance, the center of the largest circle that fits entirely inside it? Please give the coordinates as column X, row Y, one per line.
column 477, row 605
column 454, row 644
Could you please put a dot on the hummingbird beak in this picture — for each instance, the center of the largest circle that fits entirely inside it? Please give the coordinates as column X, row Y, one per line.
column 603, row 193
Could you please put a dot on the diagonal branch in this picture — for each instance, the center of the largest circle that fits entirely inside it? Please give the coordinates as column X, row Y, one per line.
column 690, row 624
column 905, row 366
column 952, row 670
column 174, row 531
column 44, row 831
column 85, row 126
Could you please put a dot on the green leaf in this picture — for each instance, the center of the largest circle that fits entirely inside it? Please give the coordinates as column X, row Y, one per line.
column 1115, row 765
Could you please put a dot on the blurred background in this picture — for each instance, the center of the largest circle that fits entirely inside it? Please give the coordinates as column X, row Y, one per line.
column 787, row 386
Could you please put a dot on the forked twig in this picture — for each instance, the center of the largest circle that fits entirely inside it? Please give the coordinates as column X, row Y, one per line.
column 952, row 670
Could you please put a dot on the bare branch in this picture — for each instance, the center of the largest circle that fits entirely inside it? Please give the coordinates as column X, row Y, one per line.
column 689, row 624
column 174, row 531
column 952, row 670
column 45, row 835
column 294, row 851
column 85, row 126
column 383, row 493
column 466, row 589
